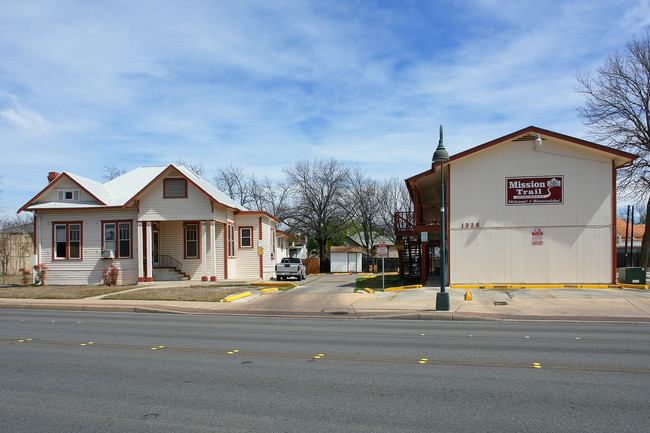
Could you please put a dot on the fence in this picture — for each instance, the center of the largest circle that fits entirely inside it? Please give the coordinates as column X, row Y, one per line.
column 390, row 265
column 11, row 265
column 313, row 266
column 633, row 260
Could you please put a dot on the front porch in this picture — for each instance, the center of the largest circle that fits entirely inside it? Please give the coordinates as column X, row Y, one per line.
column 189, row 248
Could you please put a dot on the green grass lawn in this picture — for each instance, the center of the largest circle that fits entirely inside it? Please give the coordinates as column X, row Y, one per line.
column 389, row 281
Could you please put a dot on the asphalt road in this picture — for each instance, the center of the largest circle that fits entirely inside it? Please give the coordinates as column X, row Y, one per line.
column 157, row 372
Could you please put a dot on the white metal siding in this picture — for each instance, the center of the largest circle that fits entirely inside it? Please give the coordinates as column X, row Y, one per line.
column 577, row 235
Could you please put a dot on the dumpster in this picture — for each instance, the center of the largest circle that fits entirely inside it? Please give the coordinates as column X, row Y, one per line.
column 632, row 276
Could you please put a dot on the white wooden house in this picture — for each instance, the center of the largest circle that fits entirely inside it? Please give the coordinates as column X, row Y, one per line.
column 147, row 219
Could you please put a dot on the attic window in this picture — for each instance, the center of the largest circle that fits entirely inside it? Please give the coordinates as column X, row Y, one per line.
column 69, row 195
column 175, row 188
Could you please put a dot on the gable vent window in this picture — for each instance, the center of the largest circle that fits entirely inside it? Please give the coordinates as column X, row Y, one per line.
column 70, row 195
column 175, row 188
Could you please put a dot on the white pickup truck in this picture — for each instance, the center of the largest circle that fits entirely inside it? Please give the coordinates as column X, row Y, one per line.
column 290, row 267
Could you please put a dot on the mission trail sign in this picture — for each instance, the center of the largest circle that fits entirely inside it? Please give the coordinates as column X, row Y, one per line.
column 534, row 190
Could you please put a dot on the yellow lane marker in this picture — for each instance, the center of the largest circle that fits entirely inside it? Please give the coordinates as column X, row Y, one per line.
column 270, row 289
column 542, row 291
column 232, row 352
column 356, row 358
column 235, row 297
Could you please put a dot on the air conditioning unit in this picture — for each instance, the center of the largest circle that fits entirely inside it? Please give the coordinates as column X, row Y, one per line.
column 108, row 254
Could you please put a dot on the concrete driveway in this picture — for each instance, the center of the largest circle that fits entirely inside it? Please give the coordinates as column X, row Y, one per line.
column 324, row 284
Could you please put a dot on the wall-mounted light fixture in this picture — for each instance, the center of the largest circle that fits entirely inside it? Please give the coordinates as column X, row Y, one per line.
column 538, row 142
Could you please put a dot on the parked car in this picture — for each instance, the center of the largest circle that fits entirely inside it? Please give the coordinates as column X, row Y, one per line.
column 291, row 267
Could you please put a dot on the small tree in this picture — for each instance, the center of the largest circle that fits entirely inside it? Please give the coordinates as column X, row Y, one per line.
column 110, row 172
column 617, row 112
column 318, row 189
column 195, row 167
column 235, row 182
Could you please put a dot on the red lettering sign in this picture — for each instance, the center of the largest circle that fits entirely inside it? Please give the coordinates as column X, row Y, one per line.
column 534, row 190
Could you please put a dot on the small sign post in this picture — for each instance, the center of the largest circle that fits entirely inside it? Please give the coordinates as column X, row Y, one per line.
column 382, row 251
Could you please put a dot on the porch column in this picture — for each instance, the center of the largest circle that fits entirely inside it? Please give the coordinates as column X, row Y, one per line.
column 140, row 255
column 225, row 250
column 204, row 256
column 213, row 251
column 149, row 254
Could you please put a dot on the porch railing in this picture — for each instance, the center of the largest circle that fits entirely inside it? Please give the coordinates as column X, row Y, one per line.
column 165, row 261
column 426, row 215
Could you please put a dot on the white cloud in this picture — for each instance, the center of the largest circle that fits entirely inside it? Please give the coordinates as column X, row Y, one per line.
column 141, row 83
column 24, row 118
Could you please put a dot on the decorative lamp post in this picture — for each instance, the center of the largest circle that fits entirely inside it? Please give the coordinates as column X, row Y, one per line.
column 441, row 156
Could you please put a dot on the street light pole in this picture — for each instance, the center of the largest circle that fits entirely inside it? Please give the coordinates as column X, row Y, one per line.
column 441, row 156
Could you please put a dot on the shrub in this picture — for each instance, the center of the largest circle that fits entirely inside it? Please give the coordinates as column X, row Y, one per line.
column 110, row 275
column 41, row 274
column 26, row 274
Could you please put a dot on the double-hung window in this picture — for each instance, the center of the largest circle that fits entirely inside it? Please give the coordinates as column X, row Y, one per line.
column 67, row 241
column 231, row 240
column 191, row 241
column 245, row 237
column 116, row 237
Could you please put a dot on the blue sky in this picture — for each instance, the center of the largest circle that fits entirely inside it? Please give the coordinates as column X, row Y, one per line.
column 85, row 84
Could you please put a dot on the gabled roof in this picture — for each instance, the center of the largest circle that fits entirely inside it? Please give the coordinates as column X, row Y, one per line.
column 636, row 229
column 284, row 234
column 255, row 212
column 123, row 190
column 620, row 157
column 344, row 249
column 210, row 190
column 357, row 238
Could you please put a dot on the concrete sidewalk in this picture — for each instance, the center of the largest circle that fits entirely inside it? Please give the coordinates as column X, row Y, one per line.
column 522, row 304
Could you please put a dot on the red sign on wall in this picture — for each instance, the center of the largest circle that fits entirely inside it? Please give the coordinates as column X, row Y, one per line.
column 534, row 190
column 538, row 236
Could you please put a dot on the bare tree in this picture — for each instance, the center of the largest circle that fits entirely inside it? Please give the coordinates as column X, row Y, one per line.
column 394, row 197
column 196, row 167
column 272, row 197
column 362, row 201
column 235, row 182
column 318, row 190
column 110, row 172
column 617, row 112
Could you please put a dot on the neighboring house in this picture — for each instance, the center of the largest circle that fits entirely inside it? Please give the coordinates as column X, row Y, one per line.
column 634, row 234
column 146, row 219
column 290, row 246
column 346, row 259
column 356, row 240
column 519, row 210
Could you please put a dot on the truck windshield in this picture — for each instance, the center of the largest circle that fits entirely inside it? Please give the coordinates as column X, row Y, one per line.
column 290, row 260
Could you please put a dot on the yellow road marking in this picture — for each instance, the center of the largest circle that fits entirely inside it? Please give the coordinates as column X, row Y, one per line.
column 449, row 362
column 541, row 291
